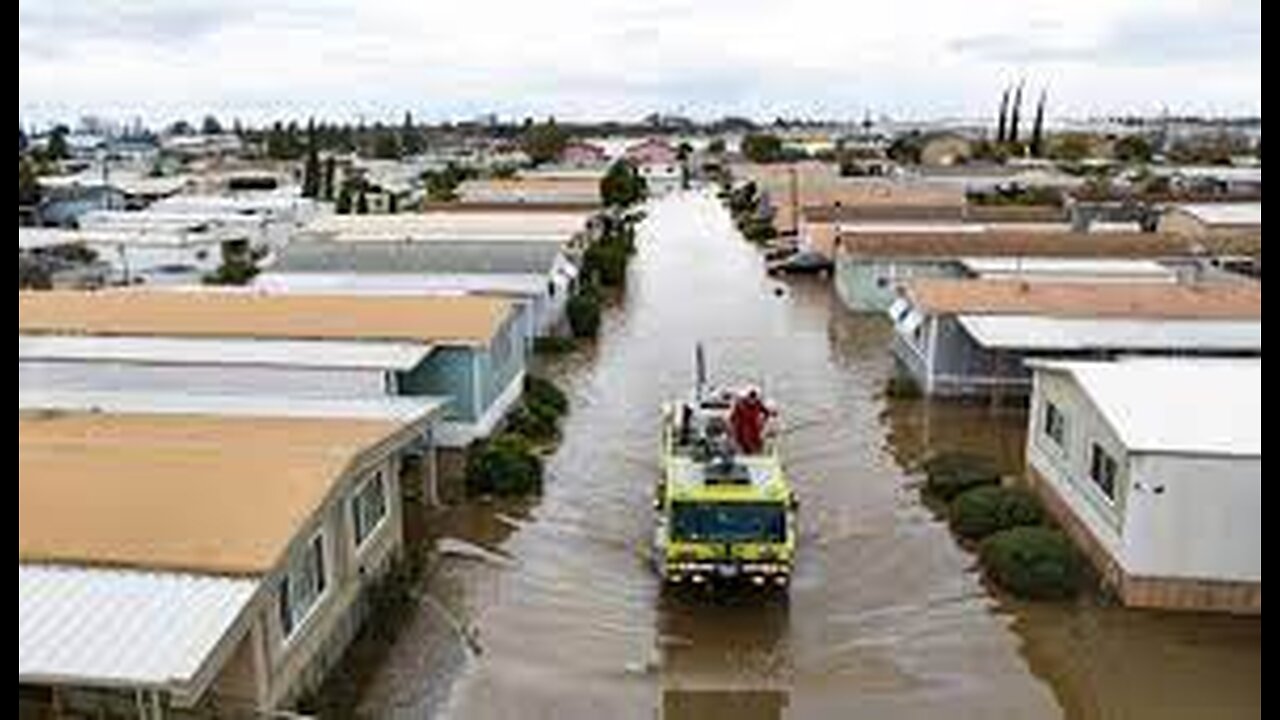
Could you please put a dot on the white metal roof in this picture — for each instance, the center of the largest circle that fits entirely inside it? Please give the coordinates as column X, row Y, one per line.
column 404, row 283
column 1224, row 213
column 369, row 355
column 474, row 225
column 401, row 409
column 1176, row 405
column 117, row 627
column 1059, row 268
column 1038, row 332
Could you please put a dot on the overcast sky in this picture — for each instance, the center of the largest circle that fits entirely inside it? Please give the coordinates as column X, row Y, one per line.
column 262, row 59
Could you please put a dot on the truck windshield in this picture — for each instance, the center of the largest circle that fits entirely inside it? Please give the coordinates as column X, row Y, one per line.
column 728, row 522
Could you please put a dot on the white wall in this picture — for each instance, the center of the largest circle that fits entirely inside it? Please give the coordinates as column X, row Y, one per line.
column 1206, row 524
column 1068, row 468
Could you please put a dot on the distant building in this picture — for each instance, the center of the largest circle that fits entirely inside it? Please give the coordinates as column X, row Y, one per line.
column 1154, row 467
column 1212, row 219
column 581, row 154
column 658, row 163
column 974, row 337
column 211, row 558
column 467, row 349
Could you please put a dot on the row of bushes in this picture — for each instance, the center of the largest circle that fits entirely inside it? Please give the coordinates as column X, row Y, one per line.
column 1018, row 549
column 604, row 265
column 509, row 462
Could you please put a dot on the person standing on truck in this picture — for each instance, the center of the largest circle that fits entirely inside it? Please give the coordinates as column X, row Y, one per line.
column 747, row 419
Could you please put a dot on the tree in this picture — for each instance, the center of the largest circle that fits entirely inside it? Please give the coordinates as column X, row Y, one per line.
column 1133, row 149
column 386, row 145
column 57, row 147
column 362, row 203
column 906, row 148
column 622, row 186
column 1014, row 113
column 211, row 126
column 311, row 170
column 1037, row 128
column 1071, row 147
column 544, row 142
column 410, row 138
column 762, row 147
column 28, row 184
column 1002, row 127
column 716, row 146
column 181, row 127
column 330, row 167
column 342, row 205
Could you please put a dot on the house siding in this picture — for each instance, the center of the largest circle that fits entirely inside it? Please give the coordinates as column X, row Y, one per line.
column 448, row 371
column 870, row 285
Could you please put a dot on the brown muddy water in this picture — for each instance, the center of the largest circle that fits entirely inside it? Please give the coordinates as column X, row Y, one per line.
column 560, row 616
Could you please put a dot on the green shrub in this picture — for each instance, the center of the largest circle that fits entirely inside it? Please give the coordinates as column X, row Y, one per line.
column 902, row 386
column 553, row 345
column 606, row 261
column 951, row 473
column 1032, row 562
column 525, row 421
column 583, row 310
column 541, row 391
column 503, row 465
column 981, row 511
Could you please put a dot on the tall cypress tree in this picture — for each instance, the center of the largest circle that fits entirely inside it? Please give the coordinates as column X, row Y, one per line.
column 1037, row 128
column 1014, row 113
column 1004, row 111
column 311, row 170
column 327, row 185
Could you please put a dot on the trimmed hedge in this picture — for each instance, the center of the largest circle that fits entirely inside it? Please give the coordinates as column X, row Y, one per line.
column 950, row 474
column 1032, row 562
column 553, row 345
column 503, row 465
column 536, row 426
column 981, row 511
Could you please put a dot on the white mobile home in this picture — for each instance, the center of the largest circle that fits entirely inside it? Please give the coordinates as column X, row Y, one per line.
column 1154, row 466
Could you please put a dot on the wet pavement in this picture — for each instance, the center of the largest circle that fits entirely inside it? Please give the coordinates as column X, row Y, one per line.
column 547, row 608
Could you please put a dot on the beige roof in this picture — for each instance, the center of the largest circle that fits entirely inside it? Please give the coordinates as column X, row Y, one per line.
column 819, row 185
column 1045, row 244
column 436, row 319
column 1234, row 300
column 196, row 493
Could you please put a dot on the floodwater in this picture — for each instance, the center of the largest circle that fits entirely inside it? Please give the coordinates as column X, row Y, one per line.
column 552, row 611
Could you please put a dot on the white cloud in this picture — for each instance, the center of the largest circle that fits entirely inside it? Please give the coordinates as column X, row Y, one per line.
column 612, row 58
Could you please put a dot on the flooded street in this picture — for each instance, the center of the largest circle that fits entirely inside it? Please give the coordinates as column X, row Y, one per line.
column 561, row 617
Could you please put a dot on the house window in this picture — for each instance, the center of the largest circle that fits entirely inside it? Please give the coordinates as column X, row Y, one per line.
column 368, row 507
column 302, row 585
column 1055, row 424
column 1102, row 470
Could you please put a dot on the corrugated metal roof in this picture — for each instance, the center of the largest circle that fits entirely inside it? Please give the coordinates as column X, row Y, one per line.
column 401, row 409
column 1037, row 332
column 1060, row 267
column 1198, row 301
column 375, row 355
column 452, row 226
column 115, row 627
column 1224, row 213
column 404, row 283
column 424, row 258
column 1176, row 405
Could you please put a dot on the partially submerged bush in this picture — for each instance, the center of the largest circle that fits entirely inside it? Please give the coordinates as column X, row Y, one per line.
column 951, row 473
column 1032, row 562
column 536, row 426
column 583, row 310
column 553, row 345
column 503, row 465
column 541, row 391
column 981, row 511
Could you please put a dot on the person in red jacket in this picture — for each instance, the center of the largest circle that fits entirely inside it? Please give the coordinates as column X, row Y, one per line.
column 747, row 419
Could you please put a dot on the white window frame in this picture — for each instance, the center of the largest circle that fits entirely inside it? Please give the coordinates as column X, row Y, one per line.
column 1050, row 407
column 357, row 505
column 1095, row 448
column 293, row 573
